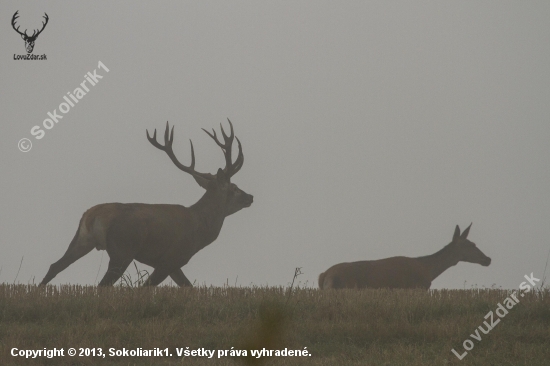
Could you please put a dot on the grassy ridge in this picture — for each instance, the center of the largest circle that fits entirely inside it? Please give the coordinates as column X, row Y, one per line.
column 374, row 327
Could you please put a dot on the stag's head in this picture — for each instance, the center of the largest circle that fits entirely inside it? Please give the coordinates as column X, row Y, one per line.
column 467, row 251
column 29, row 40
column 235, row 198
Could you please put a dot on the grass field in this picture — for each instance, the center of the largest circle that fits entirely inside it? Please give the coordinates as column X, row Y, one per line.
column 349, row 327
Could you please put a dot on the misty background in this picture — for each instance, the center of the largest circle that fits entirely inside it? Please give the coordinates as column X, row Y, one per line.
column 369, row 130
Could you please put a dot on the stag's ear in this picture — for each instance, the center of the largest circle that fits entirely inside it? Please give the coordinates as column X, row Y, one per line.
column 465, row 232
column 23, row 36
column 456, row 235
column 221, row 176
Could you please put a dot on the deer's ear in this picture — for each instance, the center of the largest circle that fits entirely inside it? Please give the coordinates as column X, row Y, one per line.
column 466, row 232
column 456, row 235
column 221, row 175
column 23, row 36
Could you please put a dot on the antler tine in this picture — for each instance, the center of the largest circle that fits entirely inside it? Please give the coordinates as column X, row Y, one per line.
column 232, row 135
column 225, row 137
column 226, row 147
column 13, row 19
column 167, row 148
column 168, row 136
column 35, row 32
column 214, row 137
column 230, row 167
column 153, row 140
column 240, row 159
column 228, row 140
column 192, row 166
column 43, row 24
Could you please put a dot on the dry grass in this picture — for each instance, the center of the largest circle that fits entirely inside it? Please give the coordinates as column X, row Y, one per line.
column 369, row 327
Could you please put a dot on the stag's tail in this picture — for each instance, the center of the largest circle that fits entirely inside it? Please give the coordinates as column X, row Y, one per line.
column 322, row 280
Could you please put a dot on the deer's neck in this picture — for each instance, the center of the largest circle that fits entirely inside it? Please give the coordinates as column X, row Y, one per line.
column 209, row 214
column 439, row 262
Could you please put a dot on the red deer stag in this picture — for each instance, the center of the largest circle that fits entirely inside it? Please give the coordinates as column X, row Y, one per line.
column 404, row 272
column 162, row 236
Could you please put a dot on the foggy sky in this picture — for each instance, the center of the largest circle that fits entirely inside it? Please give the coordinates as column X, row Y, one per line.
column 369, row 130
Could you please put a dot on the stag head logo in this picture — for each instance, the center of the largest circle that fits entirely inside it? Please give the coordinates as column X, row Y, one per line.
column 29, row 40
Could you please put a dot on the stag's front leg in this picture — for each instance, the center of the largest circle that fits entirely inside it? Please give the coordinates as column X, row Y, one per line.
column 116, row 268
column 158, row 275
column 180, row 279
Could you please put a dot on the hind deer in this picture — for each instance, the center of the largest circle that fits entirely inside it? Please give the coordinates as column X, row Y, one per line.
column 163, row 236
column 404, row 272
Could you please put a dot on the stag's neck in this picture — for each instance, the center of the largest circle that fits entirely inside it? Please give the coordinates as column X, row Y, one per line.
column 209, row 213
column 439, row 262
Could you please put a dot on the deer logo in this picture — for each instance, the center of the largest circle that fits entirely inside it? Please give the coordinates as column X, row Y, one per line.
column 29, row 40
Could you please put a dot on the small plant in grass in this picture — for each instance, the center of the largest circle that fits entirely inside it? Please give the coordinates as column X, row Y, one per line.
column 127, row 281
column 297, row 272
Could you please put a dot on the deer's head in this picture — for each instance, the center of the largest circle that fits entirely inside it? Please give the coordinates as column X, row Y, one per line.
column 466, row 250
column 29, row 40
column 235, row 198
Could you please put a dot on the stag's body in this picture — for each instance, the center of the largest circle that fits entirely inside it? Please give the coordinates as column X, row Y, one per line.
column 403, row 272
column 162, row 236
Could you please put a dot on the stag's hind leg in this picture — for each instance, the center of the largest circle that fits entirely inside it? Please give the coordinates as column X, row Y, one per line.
column 78, row 248
column 180, row 279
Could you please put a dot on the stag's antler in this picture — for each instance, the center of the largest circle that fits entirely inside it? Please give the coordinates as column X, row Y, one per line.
column 43, row 26
column 202, row 178
column 230, row 167
column 13, row 19
column 167, row 148
column 34, row 34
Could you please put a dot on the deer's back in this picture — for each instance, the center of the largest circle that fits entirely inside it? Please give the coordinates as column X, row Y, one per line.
column 137, row 227
column 395, row 272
